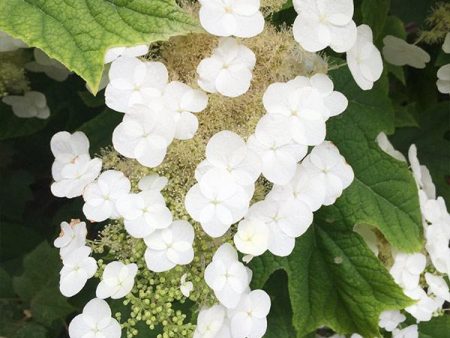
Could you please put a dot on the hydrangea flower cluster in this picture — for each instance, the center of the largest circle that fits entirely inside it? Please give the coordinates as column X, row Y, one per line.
column 156, row 111
column 253, row 189
column 421, row 275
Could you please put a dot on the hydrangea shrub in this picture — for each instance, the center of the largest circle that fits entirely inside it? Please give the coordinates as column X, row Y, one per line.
column 225, row 168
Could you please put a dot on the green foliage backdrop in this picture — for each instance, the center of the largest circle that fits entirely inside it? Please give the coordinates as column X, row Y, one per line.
column 331, row 278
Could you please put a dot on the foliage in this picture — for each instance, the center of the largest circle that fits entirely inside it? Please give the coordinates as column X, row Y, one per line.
column 81, row 44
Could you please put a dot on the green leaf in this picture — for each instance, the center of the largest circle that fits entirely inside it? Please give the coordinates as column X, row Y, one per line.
column 279, row 321
column 435, row 328
column 12, row 126
column 442, row 58
column 405, row 116
column 383, row 193
column 38, row 286
column 15, row 194
column 49, row 305
column 412, row 11
column 92, row 101
column 433, row 144
column 6, row 289
column 79, row 32
column 31, row 330
column 13, row 233
column 374, row 13
column 333, row 280
column 41, row 270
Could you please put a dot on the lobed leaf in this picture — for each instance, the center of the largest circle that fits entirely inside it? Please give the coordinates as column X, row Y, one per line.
column 79, row 32
column 334, row 280
column 383, row 193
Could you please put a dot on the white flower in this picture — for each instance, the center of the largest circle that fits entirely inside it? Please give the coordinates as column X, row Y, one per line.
column 74, row 177
column 252, row 236
column 72, row 236
column 323, row 23
column 181, row 101
column 10, row 44
column 228, row 70
column 73, row 168
column 77, row 268
column 364, row 59
column 389, row 320
column 169, row 247
column 443, row 82
column 132, row 81
column 334, row 101
column 114, row 53
column 144, row 213
column 399, row 53
column 286, row 221
column 437, row 286
column 388, row 148
column 231, row 17
column 67, row 147
column 227, row 276
column 425, row 306
column 249, row 317
column 100, row 196
column 144, row 134
column 446, row 44
column 435, row 211
column 216, row 202
column 51, row 67
column 185, row 286
column 152, row 182
column 421, row 173
column 95, row 321
column 212, row 323
column 407, row 269
column 117, row 280
column 278, row 152
column 31, row 104
column 437, row 238
column 305, row 108
column 305, row 187
column 407, row 332
column 228, row 151
column 329, row 166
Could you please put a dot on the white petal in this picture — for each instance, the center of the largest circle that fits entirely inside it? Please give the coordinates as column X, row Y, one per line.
column 310, row 33
column 71, row 284
column 343, row 37
column 216, row 21
column 260, row 303
column 187, row 125
column 234, row 81
column 336, row 103
column 157, row 261
column 249, row 26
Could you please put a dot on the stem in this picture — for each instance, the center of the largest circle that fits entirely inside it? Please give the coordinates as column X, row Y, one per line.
column 337, row 66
